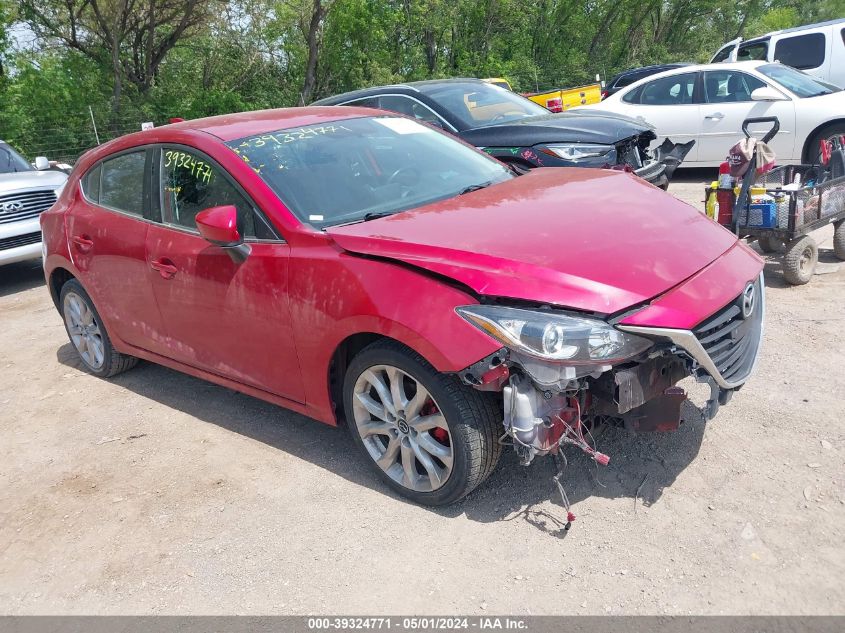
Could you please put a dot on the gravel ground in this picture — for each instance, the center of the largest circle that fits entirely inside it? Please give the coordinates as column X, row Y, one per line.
column 158, row 493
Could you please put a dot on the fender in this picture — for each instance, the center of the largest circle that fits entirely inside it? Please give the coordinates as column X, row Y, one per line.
column 334, row 295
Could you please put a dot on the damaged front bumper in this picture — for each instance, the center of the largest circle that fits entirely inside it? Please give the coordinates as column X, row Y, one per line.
column 723, row 350
column 653, row 172
column 547, row 405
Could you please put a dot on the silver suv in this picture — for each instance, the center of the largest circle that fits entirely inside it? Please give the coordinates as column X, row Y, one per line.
column 25, row 191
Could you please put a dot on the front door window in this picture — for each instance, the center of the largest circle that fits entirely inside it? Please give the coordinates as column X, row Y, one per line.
column 191, row 183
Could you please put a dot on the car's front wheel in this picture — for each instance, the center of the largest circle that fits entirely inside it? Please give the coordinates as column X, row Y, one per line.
column 812, row 151
column 88, row 335
column 430, row 437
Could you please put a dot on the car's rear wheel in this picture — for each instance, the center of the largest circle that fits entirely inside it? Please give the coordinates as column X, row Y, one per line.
column 88, row 335
column 430, row 437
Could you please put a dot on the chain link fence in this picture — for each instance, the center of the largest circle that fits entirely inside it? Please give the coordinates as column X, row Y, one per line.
column 66, row 138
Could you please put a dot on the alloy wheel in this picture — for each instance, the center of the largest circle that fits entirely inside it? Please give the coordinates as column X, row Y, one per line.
column 402, row 428
column 84, row 330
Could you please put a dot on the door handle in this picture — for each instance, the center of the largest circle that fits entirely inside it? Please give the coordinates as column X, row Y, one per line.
column 717, row 116
column 165, row 267
column 83, row 243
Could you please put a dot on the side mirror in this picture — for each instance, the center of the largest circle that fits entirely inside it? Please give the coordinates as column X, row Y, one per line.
column 219, row 225
column 767, row 94
column 41, row 163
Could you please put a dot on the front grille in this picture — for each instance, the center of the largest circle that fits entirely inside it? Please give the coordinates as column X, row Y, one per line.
column 21, row 206
column 732, row 340
column 20, row 240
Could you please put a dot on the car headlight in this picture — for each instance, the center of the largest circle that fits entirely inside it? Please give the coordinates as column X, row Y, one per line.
column 580, row 151
column 555, row 337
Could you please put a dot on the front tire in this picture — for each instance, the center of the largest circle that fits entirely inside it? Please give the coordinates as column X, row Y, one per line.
column 427, row 435
column 88, row 335
column 800, row 260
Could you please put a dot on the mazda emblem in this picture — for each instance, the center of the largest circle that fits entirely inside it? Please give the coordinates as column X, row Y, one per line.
column 748, row 300
column 11, row 207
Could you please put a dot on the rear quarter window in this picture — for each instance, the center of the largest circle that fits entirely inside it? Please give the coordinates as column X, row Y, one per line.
column 91, row 184
column 633, row 96
column 723, row 54
column 670, row 90
column 802, row 51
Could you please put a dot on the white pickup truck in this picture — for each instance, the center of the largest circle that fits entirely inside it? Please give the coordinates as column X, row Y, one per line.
column 25, row 191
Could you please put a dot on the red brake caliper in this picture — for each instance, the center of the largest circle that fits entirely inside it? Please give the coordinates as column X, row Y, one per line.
column 439, row 434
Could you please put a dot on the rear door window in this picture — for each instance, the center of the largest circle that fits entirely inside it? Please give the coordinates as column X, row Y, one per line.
column 801, row 51
column 122, row 183
column 672, row 90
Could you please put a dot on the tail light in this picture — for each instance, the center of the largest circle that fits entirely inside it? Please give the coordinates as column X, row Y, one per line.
column 554, row 105
column 604, row 94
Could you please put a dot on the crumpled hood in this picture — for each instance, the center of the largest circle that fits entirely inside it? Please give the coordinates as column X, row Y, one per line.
column 588, row 239
column 572, row 126
column 47, row 179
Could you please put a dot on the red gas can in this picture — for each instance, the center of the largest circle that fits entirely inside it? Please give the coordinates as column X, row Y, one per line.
column 726, row 206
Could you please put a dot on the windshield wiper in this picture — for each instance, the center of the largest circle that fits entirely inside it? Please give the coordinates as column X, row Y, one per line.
column 472, row 188
column 374, row 215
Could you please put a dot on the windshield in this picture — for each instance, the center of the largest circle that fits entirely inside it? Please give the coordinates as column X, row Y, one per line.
column 356, row 169
column 795, row 81
column 11, row 161
column 480, row 104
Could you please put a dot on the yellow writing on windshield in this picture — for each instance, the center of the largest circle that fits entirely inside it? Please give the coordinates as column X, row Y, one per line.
column 199, row 169
column 291, row 136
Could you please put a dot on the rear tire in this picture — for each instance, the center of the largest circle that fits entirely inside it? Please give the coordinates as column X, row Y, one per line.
column 428, row 436
column 88, row 335
column 839, row 240
column 799, row 262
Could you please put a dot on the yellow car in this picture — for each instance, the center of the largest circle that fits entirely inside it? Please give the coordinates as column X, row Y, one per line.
column 499, row 81
column 559, row 99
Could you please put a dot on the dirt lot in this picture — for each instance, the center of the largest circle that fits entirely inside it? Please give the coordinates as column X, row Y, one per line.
column 159, row 493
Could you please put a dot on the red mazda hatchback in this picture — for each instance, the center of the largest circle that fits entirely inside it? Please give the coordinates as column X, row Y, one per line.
column 357, row 266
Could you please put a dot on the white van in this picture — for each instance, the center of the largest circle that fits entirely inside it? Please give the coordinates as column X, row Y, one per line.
column 817, row 49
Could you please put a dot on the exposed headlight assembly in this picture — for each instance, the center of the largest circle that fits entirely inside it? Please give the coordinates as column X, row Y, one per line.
column 567, row 340
column 581, row 151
